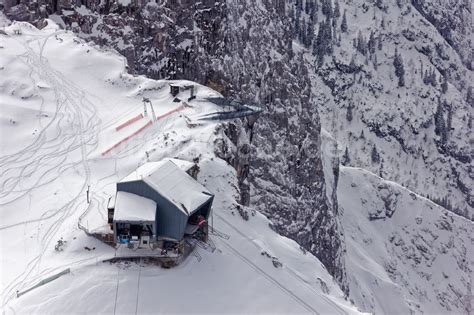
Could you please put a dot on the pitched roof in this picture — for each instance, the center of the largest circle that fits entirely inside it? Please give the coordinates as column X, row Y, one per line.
column 173, row 183
column 148, row 168
column 133, row 208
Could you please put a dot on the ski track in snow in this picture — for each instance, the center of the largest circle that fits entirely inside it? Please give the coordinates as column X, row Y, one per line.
column 49, row 150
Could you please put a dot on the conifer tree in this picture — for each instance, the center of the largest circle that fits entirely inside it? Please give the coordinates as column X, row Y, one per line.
column 371, row 43
column 361, row 45
column 349, row 113
column 346, row 160
column 326, row 8
column 440, row 124
column 399, row 69
column 344, row 23
column 375, row 155
column 444, row 84
column 433, row 80
column 470, row 96
column 337, row 12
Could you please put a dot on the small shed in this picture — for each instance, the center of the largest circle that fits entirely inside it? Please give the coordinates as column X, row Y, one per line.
column 134, row 218
column 180, row 200
column 174, row 89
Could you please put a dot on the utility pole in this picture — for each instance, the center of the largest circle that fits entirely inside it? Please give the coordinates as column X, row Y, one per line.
column 147, row 101
column 144, row 107
column 88, row 188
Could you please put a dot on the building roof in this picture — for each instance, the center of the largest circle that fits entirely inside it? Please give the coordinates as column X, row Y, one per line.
column 149, row 168
column 169, row 178
column 133, row 208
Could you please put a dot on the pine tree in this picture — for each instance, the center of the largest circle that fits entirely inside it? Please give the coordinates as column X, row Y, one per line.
column 346, row 159
column 399, row 69
column 296, row 28
column 375, row 155
column 290, row 49
column 449, row 120
column 361, row 44
column 309, row 34
column 312, row 11
column 299, row 5
column 470, row 96
column 329, row 36
column 426, row 77
column 440, row 125
column 444, row 84
column 318, row 45
column 323, row 43
column 344, row 23
column 433, row 80
column 326, row 8
column 337, row 12
column 371, row 43
column 352, row 64
column 349, row 113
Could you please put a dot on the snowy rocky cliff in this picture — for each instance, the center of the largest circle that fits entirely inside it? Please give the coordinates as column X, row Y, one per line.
column 396, row 91
column 381, row 85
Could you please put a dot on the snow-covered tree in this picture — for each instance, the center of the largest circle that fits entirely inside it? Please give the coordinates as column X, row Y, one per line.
column 444, row 84
column 337, row 12
column 326, row 7
column 349, row 113
column 375, row 155
column 361, row 43
column 440, row 124
column 372, row 42
column 346, row 160
column 323, row 44
column 470, row 96
column 399, row 69
column 344, row 23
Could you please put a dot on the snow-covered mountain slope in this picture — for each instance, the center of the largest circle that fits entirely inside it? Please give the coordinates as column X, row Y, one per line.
column 405, row 254
column 61, row 101
column 415, row 131
column 243, row 49
column 418, row 132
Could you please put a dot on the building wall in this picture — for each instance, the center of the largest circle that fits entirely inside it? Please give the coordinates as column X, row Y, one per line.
column 153, row 224
column 205, row 209
column 170, row 221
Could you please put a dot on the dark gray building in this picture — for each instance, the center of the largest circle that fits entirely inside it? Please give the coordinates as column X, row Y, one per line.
column 182, row 204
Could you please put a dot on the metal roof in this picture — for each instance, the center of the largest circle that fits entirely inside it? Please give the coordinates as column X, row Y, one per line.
column 173, row 183
column 149, row 168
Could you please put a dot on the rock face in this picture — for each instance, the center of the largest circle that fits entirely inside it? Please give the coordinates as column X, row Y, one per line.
column 452, row 19
column 405, row 254
column 395, row 91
